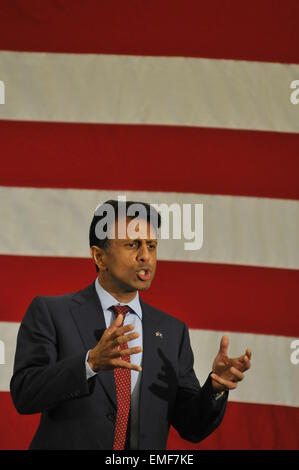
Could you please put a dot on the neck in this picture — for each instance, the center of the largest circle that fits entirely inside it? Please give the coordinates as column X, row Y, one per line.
column 117, row 293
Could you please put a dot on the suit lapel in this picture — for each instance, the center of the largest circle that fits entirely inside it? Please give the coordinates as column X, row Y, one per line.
column 150, row 365
column 89, row 317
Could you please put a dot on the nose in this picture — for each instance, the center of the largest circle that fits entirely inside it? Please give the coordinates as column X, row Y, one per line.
column 143, row 252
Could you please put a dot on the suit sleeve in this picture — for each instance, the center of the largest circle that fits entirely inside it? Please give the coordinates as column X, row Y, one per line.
column 39, row 380
column 197, row 414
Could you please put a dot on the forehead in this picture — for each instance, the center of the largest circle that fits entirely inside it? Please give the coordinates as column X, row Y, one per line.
column 132, row 228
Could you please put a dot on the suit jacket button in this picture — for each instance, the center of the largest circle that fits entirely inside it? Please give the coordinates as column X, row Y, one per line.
column 111, row 416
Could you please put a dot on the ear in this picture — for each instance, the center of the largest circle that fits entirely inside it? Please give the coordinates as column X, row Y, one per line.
column 97, row 255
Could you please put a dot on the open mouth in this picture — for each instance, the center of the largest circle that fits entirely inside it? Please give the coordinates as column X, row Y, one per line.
column 144, row 274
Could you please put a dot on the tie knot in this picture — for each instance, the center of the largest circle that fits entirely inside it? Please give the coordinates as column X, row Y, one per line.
column 123, row 309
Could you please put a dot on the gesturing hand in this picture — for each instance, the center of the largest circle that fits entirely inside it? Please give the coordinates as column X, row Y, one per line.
column 228, row 371
column 107, row 353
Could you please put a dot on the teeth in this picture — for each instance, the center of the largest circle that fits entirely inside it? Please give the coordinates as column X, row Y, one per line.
column 142, row 271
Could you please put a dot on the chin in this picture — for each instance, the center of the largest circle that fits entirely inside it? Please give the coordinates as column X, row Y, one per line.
column 143, row 288
column 144, row 285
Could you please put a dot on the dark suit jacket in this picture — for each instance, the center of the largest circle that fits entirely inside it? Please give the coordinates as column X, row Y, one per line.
column 50, row 377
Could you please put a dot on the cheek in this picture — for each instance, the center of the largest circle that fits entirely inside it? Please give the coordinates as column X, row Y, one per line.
column 122, row 263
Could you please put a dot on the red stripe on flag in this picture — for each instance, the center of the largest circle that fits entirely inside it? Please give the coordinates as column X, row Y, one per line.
column 16, row 431
column 230, row 298
column 214, row 161
column 245, row 426
column 261, row 31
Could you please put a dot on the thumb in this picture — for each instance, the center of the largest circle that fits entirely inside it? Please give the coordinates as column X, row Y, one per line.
column 224, row 345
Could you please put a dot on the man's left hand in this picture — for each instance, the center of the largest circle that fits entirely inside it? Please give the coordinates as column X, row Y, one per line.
column 226, row 371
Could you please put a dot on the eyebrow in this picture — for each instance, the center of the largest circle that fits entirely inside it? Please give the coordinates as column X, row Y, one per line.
column 138, row 239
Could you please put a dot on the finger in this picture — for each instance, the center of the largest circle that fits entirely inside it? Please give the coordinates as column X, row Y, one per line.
column 127, row 365
column 118, row 321
column 243, row 363
column 130, row 351
column 247, row 363
column 126, row 352
column 248, row 353
column 119, row 340
column 246, row 356
column 237, row 373
column 115, row 325
column 226, row 383
column 224, row 345
column 240, row 360
column 122, row 330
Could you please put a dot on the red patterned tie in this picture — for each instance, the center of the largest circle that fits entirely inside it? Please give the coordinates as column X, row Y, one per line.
column 123, row 392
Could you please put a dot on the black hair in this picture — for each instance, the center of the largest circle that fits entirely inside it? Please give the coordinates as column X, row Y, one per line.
column 152, row 216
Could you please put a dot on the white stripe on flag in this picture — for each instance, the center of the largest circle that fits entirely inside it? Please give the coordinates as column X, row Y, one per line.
column 236, row 230
column 148, row 90
column 8, row 338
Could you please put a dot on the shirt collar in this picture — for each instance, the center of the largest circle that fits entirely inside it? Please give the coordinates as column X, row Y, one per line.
column 107, row 300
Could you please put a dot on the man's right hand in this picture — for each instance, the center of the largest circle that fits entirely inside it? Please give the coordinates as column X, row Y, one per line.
column 107, row 354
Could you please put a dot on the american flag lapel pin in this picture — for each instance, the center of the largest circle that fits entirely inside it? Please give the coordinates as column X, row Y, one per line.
column 159, row 334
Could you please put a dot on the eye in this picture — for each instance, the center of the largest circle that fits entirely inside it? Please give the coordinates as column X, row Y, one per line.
column 151, row 246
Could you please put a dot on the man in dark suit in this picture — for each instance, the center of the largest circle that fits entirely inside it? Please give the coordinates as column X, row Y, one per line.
column 108, row 371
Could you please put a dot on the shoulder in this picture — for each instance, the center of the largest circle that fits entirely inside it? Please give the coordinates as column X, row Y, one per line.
column 54, row 309
column 62, row 300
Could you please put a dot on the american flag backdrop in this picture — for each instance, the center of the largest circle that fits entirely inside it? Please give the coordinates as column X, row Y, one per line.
column 161, row 101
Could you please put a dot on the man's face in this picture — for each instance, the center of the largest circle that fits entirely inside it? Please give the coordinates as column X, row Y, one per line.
column 131, row 262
